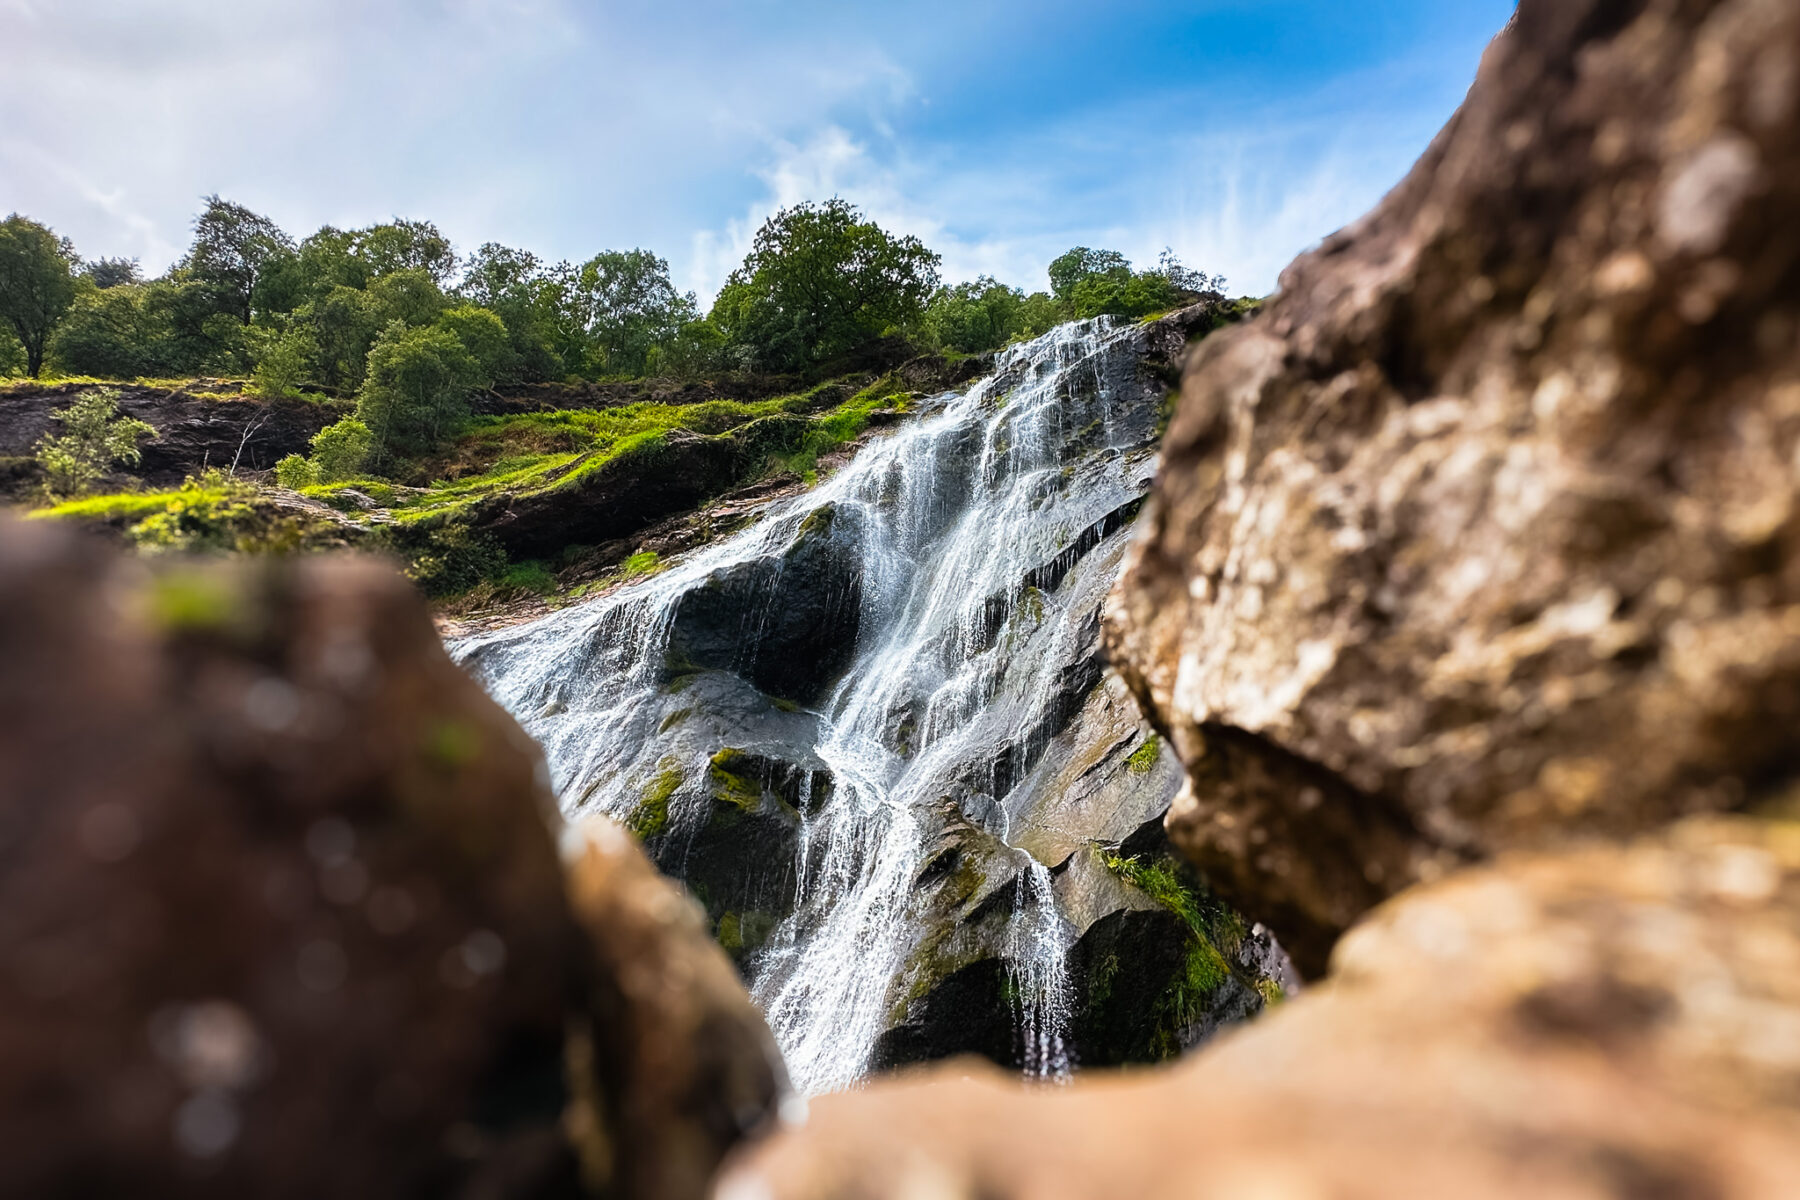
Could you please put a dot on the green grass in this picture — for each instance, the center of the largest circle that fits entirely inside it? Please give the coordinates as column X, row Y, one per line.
column 118, row 505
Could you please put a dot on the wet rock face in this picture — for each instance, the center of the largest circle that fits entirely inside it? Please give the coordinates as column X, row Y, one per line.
column 787, row 624
column 1486, row 531
column 279, row 910
column 1584, row 1025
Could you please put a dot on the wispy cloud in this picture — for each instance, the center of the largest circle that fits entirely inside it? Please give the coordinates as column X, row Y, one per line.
column 568, row 127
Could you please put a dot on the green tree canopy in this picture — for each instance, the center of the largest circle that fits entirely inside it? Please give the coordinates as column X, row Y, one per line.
column 37, row 284
column 417, row 388
column 401, row 245
column 628, row 305
column 975, row 317
column 819, row 281
column 1082, row 264
column 233, row 247
column 514, row 285
column 112, row 272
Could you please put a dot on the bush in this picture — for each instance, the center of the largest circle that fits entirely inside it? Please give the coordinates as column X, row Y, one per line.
column 285, row 364
column 341, row 451
column 96, row 438
column 295, row 472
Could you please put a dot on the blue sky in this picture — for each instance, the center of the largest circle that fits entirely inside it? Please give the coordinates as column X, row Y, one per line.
column 1236, row 132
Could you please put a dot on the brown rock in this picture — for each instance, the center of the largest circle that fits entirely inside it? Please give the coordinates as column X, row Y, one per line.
column 683, row 1066
column 1585, row 1025
column 279, row 911
column 1486, row 531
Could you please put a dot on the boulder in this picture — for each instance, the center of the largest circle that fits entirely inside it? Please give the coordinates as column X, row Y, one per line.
column 673, row 1063
column 1580, row 1025
column 1486, row 532
column 788, row 624
column 281, row 911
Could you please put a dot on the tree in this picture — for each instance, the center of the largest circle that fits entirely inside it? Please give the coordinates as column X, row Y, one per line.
column 95, row 437
column 1127, row 294
column 407, row 246
column 1091, row 283
column 37, row 284
column 106, row 273
column 1081, row 264
column 628, row 305
column 483, row 334
column 1185, row 280
column 232, row 249
column 820, row 281
column 114, row 334
column 974, row 317
column 514, row 285
column 417, row 389
column 12, row 355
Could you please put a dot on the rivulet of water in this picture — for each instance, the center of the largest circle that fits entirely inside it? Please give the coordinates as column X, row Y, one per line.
column 955, row 511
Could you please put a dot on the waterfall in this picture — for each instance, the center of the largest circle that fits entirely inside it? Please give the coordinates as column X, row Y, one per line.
column 960, row 527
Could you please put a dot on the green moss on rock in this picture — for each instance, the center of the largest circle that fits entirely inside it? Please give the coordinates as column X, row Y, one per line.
column 651, row 816
column 730, row 785
column 1143, row 760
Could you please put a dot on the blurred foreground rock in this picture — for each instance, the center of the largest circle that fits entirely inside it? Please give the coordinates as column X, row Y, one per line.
column 682, row 1064
column 1590, row 1025
column 281, row 912
column 1487, row 531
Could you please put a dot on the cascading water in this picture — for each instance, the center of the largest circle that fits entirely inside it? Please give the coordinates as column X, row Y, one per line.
column 950, row 525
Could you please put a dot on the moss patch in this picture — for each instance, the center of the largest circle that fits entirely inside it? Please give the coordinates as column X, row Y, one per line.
column 1204, row 969
column 1143, row 760
column 651, row 816
column 730, row 785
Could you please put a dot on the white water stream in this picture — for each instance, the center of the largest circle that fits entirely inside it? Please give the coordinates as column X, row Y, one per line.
column 953, row 509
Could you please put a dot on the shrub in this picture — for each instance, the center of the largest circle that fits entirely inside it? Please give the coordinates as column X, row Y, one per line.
column 296, row 472
column 96, row 437
column 417, row 389
column 340, row 451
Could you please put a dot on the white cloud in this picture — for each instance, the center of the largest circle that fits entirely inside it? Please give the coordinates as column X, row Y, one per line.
column 567, row 126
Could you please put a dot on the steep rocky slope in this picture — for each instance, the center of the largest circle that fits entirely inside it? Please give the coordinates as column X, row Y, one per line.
column 735, row 710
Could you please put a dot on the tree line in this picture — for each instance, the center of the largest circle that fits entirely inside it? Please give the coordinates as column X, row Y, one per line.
column 331, row 311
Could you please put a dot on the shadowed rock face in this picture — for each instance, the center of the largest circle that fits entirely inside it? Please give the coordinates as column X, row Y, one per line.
column 1581, row 1026
column 1485, row 532
column 281, row 912
column 192, row 433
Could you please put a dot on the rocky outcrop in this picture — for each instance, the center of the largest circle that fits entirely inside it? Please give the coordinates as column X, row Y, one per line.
column 281, row 911
column 196, row 427
column 786, row 624
column 1594, row 1024
column 1486, row 531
